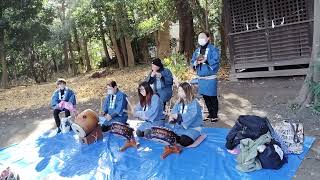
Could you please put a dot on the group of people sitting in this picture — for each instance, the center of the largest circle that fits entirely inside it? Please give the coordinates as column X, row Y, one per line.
column 185, row 119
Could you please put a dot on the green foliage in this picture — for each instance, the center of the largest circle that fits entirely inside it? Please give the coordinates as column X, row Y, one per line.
column 95, row 52
column 40, row 28
column 151, row 15
column 316, row 90
column 27, row 31
column 178, row 66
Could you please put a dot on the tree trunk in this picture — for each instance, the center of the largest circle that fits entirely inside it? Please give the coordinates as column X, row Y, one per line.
column 206, row 16
column 42, row 70
column 200, row 13
column 143, row 44
column 65, row 41
column 66, row 57
column 15, row 70
column 56, row 69
column 156, row 40
column 129, row 51
column 306, row 94
column 86, row 55
column 32, row 59
column 164, row 41
column 105, row 48
column 124, row 51
column 5, row 75
column 116, row 47
column 186, row 31
column 72, row 59
column 103, row 39
column 76, row 39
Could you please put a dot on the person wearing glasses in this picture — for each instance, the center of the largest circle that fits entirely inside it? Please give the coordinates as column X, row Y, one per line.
column 149, row 109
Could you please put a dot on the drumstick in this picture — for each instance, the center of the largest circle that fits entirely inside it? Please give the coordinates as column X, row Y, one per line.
column 101, row 95
column 130, row 106
column 101, row 105
column 129, row 103
column 167, row 110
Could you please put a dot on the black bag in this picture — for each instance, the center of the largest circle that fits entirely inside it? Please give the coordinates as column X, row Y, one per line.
column 247, row 126
column 272, row 157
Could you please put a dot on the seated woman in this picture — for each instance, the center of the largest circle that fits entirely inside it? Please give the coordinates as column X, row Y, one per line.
column 114, row 107
column 149, row 109
column 186, row 116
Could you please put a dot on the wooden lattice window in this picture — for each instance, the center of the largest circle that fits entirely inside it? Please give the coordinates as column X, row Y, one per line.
column 254, row 14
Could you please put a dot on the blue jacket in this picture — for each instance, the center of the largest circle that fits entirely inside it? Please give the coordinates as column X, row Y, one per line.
column 189, row 119
column 210, row 67
column 191, row 116
column 166, row 82
column 116, row 107
column 151, row 113
column 69, row 96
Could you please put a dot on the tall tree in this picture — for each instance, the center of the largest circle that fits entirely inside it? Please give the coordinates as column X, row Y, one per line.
column 163, row 41
column 116, row 48
column 3, row 24
column 5, row 75
column 86, row 55
column 65, row 26
column 128, row 42
column 186, row 31
column 77, row 43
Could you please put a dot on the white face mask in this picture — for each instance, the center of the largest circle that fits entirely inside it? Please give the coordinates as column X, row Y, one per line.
column 62, row 86
column 109, row 91
column 181, row 93
column 202, row 41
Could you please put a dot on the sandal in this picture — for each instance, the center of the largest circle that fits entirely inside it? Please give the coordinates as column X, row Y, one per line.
column 213, row 120
column 208, row 118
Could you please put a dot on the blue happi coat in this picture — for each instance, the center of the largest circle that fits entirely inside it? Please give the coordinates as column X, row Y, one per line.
column 152, row 114
column 162, row 86
column 116, row 106
column 189, row 119
column 69, row 96
column 210, row 67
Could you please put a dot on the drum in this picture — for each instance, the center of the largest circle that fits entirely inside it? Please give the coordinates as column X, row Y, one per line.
column 163, row 135
column 85, row 123
column 122, row 130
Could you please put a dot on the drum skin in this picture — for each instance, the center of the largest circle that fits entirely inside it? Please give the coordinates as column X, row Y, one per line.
column 87, row 120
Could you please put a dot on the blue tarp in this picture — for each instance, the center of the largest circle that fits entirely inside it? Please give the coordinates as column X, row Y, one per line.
column 63, row 156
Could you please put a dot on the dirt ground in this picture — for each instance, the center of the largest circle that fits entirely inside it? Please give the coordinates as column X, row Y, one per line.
column 266, row 97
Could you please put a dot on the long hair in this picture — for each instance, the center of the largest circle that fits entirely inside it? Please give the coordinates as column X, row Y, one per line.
column 145, row 100
column 188, row 90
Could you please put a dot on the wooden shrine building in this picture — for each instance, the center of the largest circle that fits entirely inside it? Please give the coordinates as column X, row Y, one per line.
column 269, row 37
